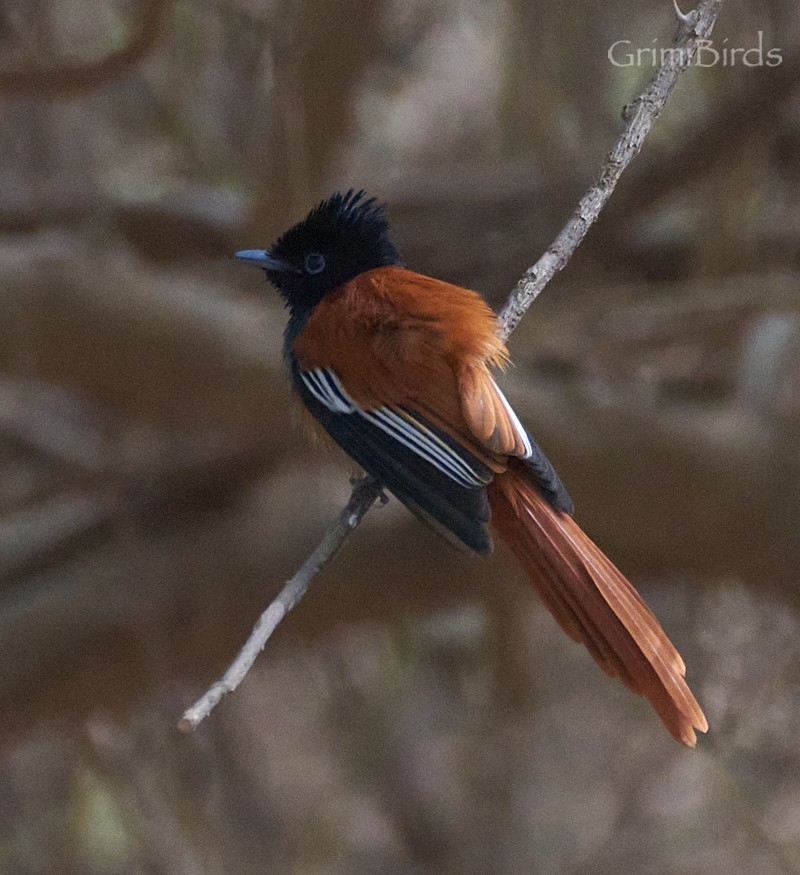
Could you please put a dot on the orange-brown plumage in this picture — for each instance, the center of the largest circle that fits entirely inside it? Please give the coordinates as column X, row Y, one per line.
column 393, row 334
column 593, row 602
column 396, row 337
column 396, row 366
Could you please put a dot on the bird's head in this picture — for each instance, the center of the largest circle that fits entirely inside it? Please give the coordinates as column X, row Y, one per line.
column 342, row 237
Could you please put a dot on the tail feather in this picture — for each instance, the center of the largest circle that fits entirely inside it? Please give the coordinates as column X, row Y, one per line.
column 593, row 602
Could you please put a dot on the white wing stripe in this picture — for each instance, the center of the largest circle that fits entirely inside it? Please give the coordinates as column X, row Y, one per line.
column 313, row 387
column 517, row 424
column 381, row 417
column 325, row 386
column 424, row 437
column 442, row 457
column 335, row 387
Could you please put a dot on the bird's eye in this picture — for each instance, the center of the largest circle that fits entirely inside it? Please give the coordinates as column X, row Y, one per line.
column 314, row 262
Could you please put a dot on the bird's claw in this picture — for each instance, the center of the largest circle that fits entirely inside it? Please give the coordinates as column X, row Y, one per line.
column 368, row 481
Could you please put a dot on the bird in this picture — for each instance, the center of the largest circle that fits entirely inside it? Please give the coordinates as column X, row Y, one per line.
column 398, row 368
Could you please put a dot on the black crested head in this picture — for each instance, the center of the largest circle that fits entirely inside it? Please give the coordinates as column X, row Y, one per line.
column 342, row 237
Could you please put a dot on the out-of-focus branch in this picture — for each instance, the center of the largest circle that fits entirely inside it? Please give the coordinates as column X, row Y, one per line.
column 74, row 79
column 640, row 115
column 201, row 477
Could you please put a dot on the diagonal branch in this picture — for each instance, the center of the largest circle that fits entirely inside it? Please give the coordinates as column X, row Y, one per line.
column 365, row 492
column 639, row 116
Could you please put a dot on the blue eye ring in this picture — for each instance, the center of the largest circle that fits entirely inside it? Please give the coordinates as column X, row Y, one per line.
column 314, row 263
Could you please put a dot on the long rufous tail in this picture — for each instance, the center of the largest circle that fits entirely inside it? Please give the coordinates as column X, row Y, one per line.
column 593, row 602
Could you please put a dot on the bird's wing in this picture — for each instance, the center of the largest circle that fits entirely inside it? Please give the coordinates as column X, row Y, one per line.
column 436, row 477
column 394, row 365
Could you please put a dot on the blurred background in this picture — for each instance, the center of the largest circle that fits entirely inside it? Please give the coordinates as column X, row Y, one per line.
column 419, row 712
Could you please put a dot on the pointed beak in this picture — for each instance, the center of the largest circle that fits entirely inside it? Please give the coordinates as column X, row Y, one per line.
column 262, row 258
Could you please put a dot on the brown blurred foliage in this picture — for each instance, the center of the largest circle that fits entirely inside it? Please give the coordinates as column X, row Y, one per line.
column 418, row 713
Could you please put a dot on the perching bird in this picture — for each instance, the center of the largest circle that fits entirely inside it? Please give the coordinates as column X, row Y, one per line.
column 397, row 368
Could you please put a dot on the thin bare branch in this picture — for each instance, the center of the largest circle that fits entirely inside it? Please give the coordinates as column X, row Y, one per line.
column 640, row 116
column 364, row 494
column 693, row 27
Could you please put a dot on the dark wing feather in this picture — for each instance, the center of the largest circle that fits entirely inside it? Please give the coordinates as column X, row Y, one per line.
column 548, row 480
column 393, row 349
column 428, row 492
